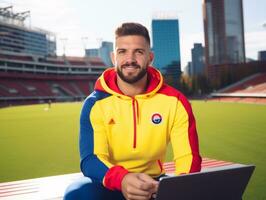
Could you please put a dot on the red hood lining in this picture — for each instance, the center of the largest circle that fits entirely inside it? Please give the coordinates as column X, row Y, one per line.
column 110, row 78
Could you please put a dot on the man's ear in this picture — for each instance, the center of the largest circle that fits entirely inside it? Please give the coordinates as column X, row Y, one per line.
column 112, row 55
column 151, row 57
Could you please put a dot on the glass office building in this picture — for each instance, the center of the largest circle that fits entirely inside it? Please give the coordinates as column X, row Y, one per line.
column 166, row 47
column 197, row 57
column 103, row 52
column 224, row 31
column 262, row 55
column 92, row 52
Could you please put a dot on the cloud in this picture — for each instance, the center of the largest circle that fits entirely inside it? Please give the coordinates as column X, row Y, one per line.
column 255, row 41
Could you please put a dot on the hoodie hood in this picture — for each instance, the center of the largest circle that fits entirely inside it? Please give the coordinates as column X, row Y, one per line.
column 107, row 82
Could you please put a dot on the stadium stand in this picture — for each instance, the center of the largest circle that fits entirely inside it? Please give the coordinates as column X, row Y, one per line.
column 249, row 90
column 253, row 84
column 27, row 79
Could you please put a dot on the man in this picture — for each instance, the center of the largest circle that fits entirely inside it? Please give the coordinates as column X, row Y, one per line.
column 127, row 123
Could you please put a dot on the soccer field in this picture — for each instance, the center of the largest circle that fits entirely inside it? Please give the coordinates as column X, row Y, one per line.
column 235, row 132
column 36, row 141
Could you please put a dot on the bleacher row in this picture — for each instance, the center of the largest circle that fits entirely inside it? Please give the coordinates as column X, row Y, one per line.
column 60, row 60
column 19, row 88
column 257, row 84
column 240, row 100
column 249, row 90
column 31, row 88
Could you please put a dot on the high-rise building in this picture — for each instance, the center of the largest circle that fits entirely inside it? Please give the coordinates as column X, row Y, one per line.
column 103, row 52
column 188, row 69
column 198, row 61
column 92, row 52
column 224, row 32
column 262, row 55
column 166, row 47
column 20, row 38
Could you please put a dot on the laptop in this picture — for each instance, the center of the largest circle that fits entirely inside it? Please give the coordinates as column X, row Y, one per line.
column 227, row 183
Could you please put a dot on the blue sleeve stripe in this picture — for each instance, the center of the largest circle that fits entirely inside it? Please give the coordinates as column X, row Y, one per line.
column 91, row 166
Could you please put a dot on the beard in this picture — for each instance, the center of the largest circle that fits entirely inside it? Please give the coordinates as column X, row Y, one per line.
column 132, row 78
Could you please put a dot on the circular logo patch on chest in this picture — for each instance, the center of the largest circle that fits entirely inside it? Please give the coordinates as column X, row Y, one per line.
column 156, row 118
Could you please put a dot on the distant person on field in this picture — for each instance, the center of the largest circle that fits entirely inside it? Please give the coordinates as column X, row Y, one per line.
column 49, row 103
column 127, row 123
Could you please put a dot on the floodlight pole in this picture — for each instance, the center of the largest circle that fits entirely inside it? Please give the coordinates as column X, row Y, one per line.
column 64, row 40
column 84, row 42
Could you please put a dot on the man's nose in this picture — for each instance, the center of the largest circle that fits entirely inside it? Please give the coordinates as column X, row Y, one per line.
column 130, row 57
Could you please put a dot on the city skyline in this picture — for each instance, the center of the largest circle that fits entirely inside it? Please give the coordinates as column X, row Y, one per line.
column 96, row 21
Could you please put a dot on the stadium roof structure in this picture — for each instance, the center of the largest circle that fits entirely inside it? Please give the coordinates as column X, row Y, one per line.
column 17, row 19
column 8, row 13
column 8, row 16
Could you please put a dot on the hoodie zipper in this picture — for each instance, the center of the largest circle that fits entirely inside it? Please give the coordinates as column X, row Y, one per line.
column 135, row 108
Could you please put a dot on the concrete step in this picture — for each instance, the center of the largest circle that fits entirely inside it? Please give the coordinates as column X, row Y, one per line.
column 53, row 187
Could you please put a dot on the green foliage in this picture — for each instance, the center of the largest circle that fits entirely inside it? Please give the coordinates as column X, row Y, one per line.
column 36, row 141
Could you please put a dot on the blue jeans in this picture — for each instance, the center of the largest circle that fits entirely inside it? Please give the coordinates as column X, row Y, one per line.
column 85, row 189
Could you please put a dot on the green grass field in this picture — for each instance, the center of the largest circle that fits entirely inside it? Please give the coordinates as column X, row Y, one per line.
column 36, row 142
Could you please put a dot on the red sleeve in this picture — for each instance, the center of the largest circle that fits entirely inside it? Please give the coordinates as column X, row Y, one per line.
column 114, row 176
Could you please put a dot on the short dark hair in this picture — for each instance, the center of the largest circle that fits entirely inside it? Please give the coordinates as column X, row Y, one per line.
column 133, row 29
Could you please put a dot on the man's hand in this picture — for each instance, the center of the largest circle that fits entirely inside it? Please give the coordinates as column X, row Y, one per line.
column 138, row 186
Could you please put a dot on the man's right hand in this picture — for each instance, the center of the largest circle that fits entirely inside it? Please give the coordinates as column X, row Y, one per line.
column 138, row 186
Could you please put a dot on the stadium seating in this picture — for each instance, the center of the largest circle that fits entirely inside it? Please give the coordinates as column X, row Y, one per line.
column 27, row 79
column 248, row 90
column 256, row 84
column 16, row 57
column 52, row 61
column 38, row 87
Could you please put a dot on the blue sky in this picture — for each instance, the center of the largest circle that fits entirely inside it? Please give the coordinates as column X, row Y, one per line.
column 96, row 20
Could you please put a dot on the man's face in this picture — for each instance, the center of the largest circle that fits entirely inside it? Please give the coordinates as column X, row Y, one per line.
column 131, row 58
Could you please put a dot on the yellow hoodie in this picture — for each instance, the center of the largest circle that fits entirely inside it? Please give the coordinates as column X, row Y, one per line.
column 121, row 134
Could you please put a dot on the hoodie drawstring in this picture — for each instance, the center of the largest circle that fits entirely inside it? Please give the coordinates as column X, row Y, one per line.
column 135, row 107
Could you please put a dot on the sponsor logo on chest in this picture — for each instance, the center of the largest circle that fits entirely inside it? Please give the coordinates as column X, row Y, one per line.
column 156, row 118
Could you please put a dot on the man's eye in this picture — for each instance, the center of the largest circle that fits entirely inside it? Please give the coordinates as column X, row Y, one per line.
column 140, row 52
column 120, row 52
